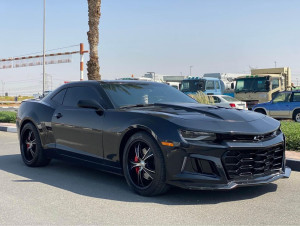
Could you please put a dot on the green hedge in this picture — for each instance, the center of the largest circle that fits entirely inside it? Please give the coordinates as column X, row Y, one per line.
column 291, row 131
column 8, row 116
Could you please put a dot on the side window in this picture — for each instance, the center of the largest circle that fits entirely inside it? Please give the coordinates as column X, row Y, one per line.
column 216, row 99
column 217, row 85
column 282, row 97
column 74, row 94
column 210, row 85
column 275, row 83
column 59, row 97
column 296, row 97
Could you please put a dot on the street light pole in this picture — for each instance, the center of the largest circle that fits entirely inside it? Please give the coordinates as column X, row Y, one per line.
column 191, row 71
column 44, row 43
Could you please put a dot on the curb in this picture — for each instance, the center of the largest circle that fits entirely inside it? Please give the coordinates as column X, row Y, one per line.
column 294, row 164
column 8, row 129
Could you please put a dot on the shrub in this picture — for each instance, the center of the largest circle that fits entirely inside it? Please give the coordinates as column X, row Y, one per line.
column 8, row 116
column 291, row 131
column 202, row 98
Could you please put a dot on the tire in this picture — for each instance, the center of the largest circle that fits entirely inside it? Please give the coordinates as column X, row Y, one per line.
column 33, row 154
column 143, row 165
column 296, row 116
column 262, row 111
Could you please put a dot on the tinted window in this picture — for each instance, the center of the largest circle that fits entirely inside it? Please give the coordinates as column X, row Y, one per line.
column 59, row 97
column 192, row 85
column 256, row 84
column 296, row 97
column 74, row 94
column 275, row 83
column 217, row 85
column 216, row 99
column 144, row 93
column 210, row 85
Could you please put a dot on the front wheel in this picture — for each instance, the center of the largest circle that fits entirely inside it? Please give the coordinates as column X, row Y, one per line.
column 297, row 116
column 143, row 165
column 31, row 148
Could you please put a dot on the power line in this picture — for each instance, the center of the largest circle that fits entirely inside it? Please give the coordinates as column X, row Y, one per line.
column 46, row 51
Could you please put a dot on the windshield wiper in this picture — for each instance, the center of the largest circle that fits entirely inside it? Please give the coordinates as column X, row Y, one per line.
column 135, row 105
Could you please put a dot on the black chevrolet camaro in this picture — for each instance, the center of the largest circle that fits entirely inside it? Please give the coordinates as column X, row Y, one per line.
column 152, row 134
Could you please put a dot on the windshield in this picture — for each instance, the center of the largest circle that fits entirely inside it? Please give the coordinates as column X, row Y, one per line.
column 256, row 84
column 192, row 85
column 126, row 94
column 229, row 98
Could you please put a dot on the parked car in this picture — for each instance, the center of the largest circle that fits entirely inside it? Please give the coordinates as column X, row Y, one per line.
column 153, row 134
column 228, row 101
column 285, row 105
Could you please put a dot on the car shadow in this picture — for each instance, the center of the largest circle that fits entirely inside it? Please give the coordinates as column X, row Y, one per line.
column 93, row 183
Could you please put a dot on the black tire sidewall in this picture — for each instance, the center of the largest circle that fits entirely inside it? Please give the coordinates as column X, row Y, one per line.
column 160, row 171
column 34, row 161
column 295, row 114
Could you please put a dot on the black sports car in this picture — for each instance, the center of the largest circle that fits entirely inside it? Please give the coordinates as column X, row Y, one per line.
column 152, row 134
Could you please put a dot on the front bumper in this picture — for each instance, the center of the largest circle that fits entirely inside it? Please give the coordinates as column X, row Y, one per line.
column 217, row 177
column 195, row 185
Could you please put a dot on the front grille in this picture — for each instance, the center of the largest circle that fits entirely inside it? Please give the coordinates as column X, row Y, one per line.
column 241, row 164
column 247, row 138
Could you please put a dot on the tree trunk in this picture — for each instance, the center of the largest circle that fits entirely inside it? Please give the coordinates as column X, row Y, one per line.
column 93, row 68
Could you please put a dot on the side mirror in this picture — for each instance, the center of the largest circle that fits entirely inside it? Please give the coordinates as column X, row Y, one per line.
column 232, row 85
column 90, row 104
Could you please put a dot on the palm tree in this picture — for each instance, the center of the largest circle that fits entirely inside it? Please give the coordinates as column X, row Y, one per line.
column 93, row 67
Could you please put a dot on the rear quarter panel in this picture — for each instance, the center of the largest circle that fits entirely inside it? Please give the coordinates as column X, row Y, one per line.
column 40, row 114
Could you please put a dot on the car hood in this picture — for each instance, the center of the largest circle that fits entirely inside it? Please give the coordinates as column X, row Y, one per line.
column 211, row 118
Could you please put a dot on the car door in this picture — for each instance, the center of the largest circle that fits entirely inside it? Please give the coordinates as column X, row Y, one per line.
column 78, row 130
column 295, row 103
column 210, row 87
column 280, row 107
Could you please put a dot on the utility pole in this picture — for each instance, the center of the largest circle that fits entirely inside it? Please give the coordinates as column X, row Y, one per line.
column 191, row 70
column 3, row 83
column 275, row 63
column 44, row 43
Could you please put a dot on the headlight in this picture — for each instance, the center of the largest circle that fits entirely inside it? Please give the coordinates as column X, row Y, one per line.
column 197, row 136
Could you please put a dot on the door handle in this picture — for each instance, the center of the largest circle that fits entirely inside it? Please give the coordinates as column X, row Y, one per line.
column 58, row 115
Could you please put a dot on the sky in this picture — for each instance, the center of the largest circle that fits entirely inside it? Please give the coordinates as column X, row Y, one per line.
column 137, row 36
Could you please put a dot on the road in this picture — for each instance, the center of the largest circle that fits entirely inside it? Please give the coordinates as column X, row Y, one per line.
column 63, row 193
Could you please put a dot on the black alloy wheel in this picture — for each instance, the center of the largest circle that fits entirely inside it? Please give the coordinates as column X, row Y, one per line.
column 29, row 142
column 31, row 148
column 143, row 165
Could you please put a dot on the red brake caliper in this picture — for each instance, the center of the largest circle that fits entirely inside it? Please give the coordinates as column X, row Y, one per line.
column 136, row 159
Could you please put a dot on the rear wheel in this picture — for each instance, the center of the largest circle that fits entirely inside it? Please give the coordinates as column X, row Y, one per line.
column 262, row 111
column 31, row 149
column 143, row 165
column 296, row 116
